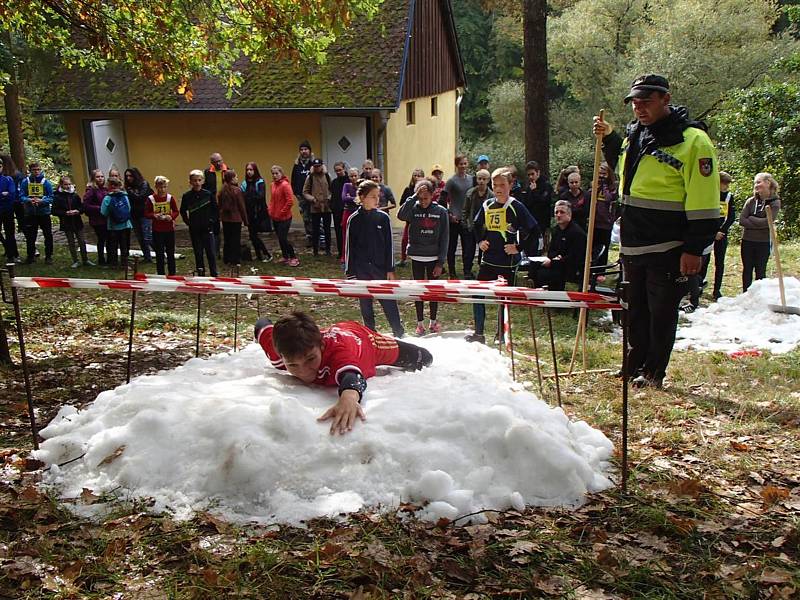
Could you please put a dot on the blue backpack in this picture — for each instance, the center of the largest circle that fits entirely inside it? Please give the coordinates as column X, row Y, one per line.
column 119, row 208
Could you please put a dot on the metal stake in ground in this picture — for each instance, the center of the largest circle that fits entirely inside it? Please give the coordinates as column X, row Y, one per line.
column 24, row 357
column 536, row 352
column 198, row 273
column 511, row 345
column 133, row 316
column 624, row 301
column 553, row 350
column 235, row 273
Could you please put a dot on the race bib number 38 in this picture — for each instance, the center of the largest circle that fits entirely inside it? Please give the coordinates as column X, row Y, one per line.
column 496, row 220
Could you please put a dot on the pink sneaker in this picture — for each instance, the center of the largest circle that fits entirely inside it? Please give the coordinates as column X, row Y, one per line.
column 420, row 330
column 294, row 262
column 435, row 327
column 283, row 261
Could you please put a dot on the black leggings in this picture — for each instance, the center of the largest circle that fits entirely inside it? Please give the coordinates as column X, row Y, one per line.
column 282, row 233
column 754, row 258
column 411, row 357
column 165, row 247
column 424, row 270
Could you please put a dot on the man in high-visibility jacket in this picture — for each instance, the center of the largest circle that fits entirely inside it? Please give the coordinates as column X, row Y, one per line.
column 669, row 185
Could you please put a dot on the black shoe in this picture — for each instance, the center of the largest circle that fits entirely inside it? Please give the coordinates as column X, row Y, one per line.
column 476, row 337
column 30, row 260
column 642, row 381
column 717, row 295
column 689, row 308
column 469, row 275
column 48, row 260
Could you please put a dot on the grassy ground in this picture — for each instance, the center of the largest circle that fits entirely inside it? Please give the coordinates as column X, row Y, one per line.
column 711, row 511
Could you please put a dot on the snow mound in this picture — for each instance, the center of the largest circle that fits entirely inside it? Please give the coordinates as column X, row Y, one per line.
column 745, row 321
column 233, row 435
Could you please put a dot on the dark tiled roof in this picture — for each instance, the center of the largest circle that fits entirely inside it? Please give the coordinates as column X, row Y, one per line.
column 362, row 70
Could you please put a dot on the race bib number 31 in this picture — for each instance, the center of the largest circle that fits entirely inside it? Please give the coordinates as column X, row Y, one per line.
column 496, row 220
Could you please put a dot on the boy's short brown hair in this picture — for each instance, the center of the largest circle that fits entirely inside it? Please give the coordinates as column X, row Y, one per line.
column 115, row 182
column 296, row 334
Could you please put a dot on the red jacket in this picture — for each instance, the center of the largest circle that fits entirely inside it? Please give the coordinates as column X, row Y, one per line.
column 282, row 198
column 150, row 212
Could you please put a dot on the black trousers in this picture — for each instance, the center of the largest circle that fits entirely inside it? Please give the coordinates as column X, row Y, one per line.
column 8, row 235
column 554, row 276
column 321, row 221
column 656, row 287
column 119, row 241
column 164, row 242
column 424, row 270
column 138, row 229
column 32, row 225
column 600, row 245
column 259, row 247
column 337, row 228
column 101, row 233
column 232, row 242
column 203, row 242
column 720, row 248
column 490, row 273
column 282, row 233
column 754, row 258
column 459, row 231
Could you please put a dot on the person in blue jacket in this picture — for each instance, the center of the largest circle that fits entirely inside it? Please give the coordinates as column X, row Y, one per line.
column 36, row 195
column 8, row 199
column 369, row 253
column 119, row 230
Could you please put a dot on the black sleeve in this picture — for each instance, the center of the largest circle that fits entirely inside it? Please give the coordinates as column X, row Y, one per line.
column 726, row 224
column 612, row 146
column 352, row 380
column 260, row 324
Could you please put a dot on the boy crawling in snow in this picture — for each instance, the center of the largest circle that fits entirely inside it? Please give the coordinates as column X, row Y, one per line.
column 344, row 355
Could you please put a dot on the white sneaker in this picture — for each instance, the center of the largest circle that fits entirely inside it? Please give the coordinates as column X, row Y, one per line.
column 76, row 264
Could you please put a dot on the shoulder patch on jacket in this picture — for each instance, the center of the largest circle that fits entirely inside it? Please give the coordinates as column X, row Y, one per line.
column 706, row 166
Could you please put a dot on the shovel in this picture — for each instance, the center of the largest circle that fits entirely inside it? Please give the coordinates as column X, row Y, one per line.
column 778, row 308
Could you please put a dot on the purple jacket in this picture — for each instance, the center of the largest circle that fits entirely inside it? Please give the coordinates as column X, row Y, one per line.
column 606, row 207
column 92, row 200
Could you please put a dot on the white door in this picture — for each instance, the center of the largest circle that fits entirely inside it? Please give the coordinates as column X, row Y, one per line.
column 108, row 144
column 345, row 139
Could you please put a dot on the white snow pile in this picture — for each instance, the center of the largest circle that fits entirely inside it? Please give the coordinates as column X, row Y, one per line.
column 233, row 435
column 745, row 321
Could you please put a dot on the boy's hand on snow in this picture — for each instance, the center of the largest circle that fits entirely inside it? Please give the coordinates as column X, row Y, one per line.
column 344, row 413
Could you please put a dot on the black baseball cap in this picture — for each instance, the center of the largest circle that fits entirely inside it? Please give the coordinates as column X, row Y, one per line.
column 317, row 162
column 644, row 85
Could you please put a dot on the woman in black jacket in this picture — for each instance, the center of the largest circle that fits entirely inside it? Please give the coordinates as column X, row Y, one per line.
column 255, row 200
column 68, row 207
column 138, row 190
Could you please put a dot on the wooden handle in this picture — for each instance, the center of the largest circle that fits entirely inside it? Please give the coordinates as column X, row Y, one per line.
column 773, row 235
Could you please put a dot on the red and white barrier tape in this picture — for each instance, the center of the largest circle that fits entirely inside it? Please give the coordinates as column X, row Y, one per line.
column 465, row 292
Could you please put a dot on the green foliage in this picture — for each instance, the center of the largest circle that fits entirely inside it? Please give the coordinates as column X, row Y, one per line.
column 175, row 41
column 759, row 130
column 492, row 52
column 597, row 47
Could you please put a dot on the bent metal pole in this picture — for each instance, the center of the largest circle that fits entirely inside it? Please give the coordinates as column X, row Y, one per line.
column 24, row 358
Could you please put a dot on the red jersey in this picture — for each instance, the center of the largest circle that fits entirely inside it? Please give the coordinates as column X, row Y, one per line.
column 347, row 346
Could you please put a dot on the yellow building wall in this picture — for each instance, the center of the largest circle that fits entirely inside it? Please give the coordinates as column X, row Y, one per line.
column 430, row 140
column 172, row 144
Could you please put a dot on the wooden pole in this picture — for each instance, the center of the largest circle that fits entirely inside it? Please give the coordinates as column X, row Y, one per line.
column 774, row 236
column 587, row 262
column 624, row 298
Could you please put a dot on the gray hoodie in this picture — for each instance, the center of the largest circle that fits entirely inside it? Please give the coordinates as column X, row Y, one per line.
column 428, row 229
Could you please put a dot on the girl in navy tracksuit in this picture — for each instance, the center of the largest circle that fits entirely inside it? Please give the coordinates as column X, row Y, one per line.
column 369, row 253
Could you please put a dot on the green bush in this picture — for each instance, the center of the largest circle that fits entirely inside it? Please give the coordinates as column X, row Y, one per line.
column 758, row 130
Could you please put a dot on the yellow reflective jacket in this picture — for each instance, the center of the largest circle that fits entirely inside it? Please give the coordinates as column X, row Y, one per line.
column 669, row 186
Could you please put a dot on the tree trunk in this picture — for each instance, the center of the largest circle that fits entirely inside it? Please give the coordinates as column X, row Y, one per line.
column 537, row 121
column 14, row 124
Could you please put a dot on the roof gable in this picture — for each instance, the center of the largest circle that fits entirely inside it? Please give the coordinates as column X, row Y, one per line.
column 434, row 62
